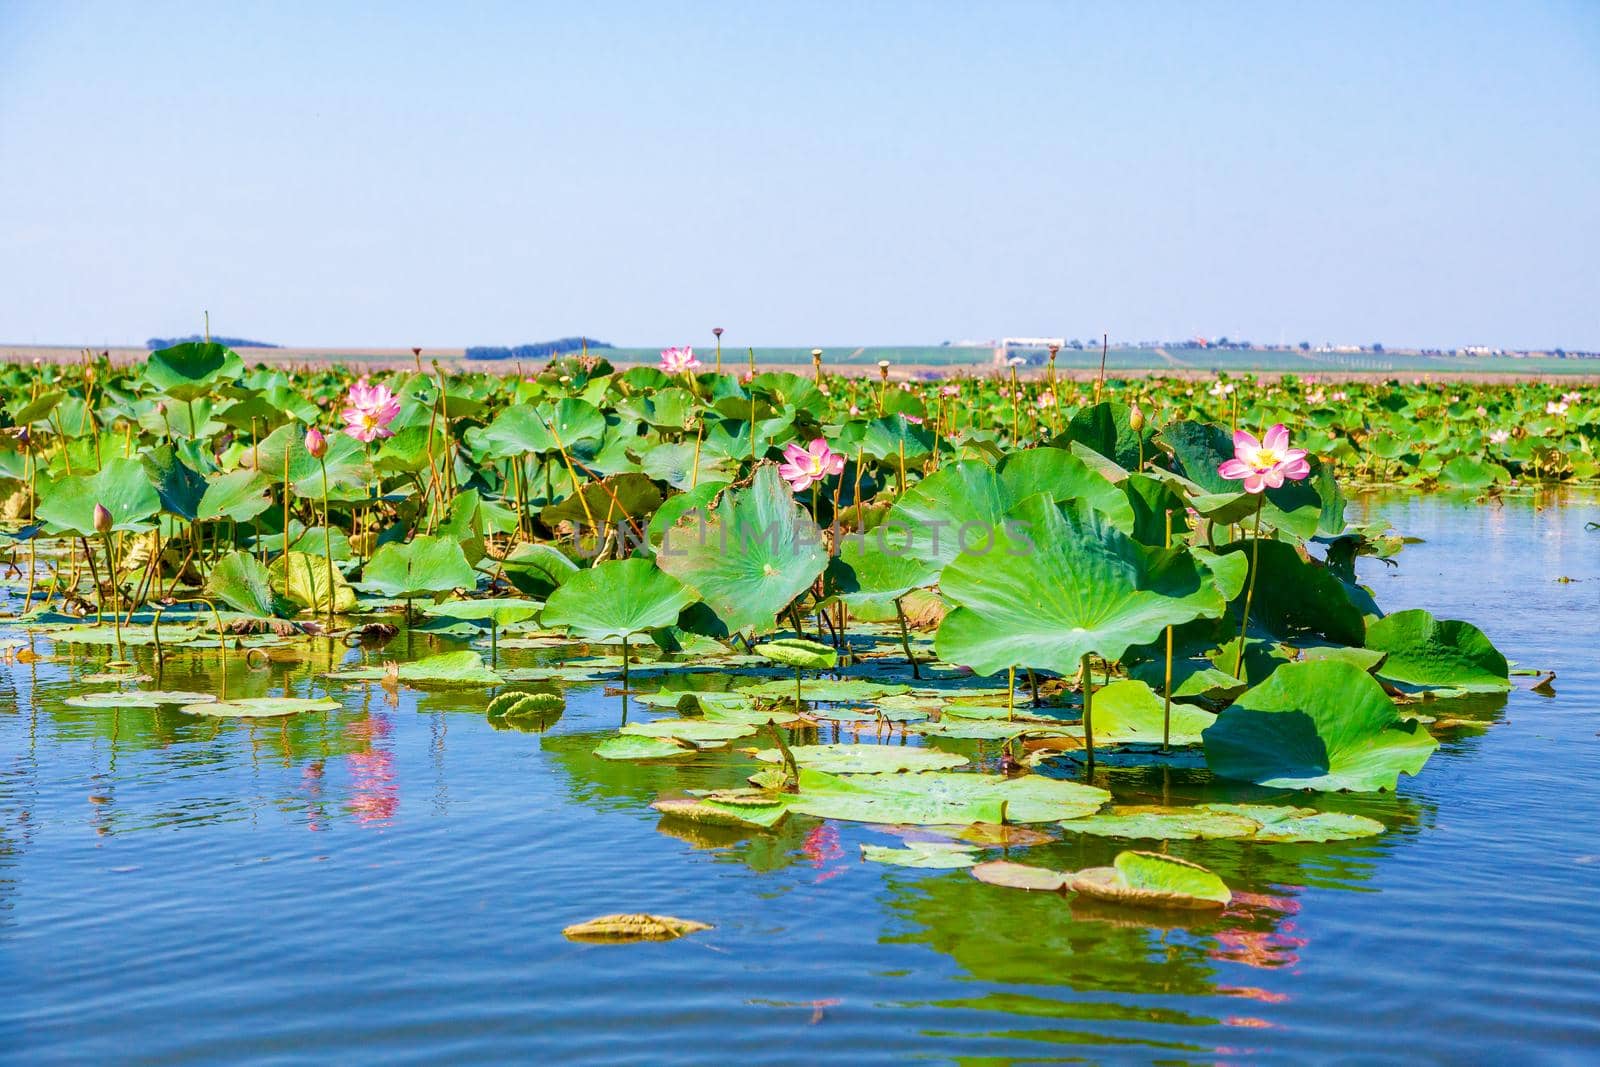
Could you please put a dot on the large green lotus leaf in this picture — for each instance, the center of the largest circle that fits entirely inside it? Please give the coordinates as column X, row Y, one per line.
column 499, row 611
column 1107, row 428
column 798, row 652
column 1228, row 570
column 1149, row 879
column 757, row 552
column 1323, row 724
column 447, row 668
column 1285, row 825
column 1022, row 876
column 537, row 569
column 691, row 730
column 121, row 486
column 1192, row 680
column 1426, row 652
column 1156, row 504
column 136, row 698
column 191, row 370
column 683, row 466
column 829, row 690
column 887, row 439
column 957, row 506
column 636, row 747
column 1294, row 596
column 578, row 424
column 304, row 579
column 37, row 409
column 261, row 707
column 929, row 855
column 1303, row 508
column 1164, row 823
column 421, row 567
column 991, row 729
column 626, row 498
column 942, row 798
column 866, row 759
column 1129, row 710
column 872, row 569
column 179, row 486
column 240, row 581
column 1071, row 584
column 349, row 477
column 238, row 495
column 616, row 599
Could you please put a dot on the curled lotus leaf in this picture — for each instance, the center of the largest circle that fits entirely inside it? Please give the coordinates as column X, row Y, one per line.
column 932, row 855
column 873, row 759
column 754, row 810
column 798, row 652
column 1427, row 653
column 937, row 798
column 1151, row 880
column 1022, row 876
column 260, row 707
column 617, row 929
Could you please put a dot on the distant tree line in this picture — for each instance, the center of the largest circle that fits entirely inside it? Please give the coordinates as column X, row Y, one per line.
column 536, row 351
column 232, row 342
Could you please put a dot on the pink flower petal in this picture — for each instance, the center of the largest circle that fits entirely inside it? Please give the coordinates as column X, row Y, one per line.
column 1243, row 439
column 1234, row 468
column 1277, row 438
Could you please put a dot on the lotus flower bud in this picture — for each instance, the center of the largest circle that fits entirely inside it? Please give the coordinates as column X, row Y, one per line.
column 1136, row 417
column 717, row 330
column 102, row 519
column 316, row 444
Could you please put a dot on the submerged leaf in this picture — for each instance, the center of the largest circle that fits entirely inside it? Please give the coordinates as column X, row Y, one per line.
column 612, row 929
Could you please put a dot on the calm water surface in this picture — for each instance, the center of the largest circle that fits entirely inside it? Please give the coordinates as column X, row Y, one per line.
column 389, row 883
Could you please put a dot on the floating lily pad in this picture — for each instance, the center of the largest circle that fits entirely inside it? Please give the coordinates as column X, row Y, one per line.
column 137, row 698
column 798, row 652
column 261, row 707
column 878, row 759
column 756, row 811
column 1022, row 876
column 934, row 855
column 1130, row 711
column 615, row 929
column 1002, row 835
column 692, row 730
column 1163, row 824
column 990, row 730
column 1148, row 879
column 635, row 747
column 464, row 668
column 827, row 690
column 935, row 798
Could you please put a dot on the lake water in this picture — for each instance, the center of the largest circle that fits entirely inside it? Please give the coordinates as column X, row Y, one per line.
column 389, row 883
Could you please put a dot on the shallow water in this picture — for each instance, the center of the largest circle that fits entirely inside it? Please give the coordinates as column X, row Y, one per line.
column 389, row 882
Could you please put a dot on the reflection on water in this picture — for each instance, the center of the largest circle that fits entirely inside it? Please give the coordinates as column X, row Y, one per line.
column 407, row 811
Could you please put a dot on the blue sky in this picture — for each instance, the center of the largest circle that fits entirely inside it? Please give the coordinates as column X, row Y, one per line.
column 810, row 173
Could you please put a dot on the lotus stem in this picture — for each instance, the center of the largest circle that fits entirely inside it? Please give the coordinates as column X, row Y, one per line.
column 1011, row 693
column 1166, row 703
column 327, row 541
column 905, row 637
column 1088, row 715
column 111, row 579
column 1249, row 589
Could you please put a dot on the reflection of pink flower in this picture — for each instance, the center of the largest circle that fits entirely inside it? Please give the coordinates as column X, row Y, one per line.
column 374, row 794
column 822, row 848
column 678, row 360
column 1264, row 464
column 369, row 409
column 804, row 465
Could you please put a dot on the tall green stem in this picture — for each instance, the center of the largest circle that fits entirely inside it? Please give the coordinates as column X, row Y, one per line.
column 1088, row 714
column 1250, row 588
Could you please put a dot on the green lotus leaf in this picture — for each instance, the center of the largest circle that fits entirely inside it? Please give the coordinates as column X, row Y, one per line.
column 991, row 729
column 691, row 730
column 1071, row 585
column 189, row 371
column 959, row 505
column 260, row 707
column 38, row 408
column 538, row 569
column 616, row 599
column 940, row 798
column 421, row 567
column 1192, row 679
column 1317, row 725
column 1424, row 652
column 872, row 569
column 179, row 486
column 1317, row 827
column 121, row 486
column 1303, row 508
column 501, row 611
column 1022, row 876
column 241, row 582
column 518, row 430
column 1164, row 824
column 827, row 690
column 303, row 579
column 447, row 668
column 757, row 552
column 798, row 652
column 136, row 698
column 1130, row 710
column 1149, row 879
column 623, row 498
column 744, row 813
column 635, row 747
column 1294, row 597
column 238, row 495
column 929, row 855
column 872, row 759
column 1107, row 429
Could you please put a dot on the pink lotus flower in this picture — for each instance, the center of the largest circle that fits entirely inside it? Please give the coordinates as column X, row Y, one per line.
column 915, row 420
column 678, row 360
column 1571, row 398
column 316, row 444
column 1556, row 407
column 1499, row 437
column 1264, row 464
column 803, row 466
column 1046, row 399
column 950, row 390
column 369, row 409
